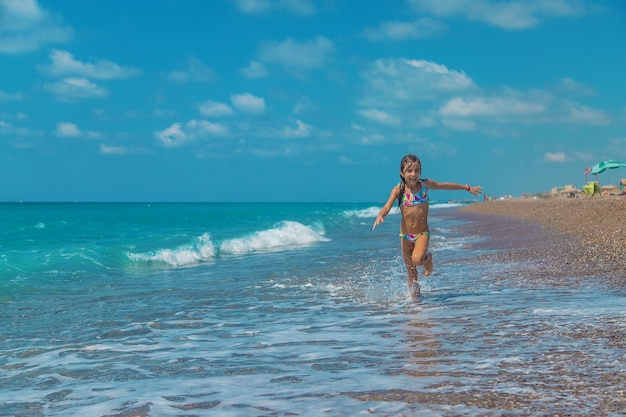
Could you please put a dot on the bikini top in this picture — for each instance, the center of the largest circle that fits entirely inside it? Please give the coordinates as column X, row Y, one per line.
column 410, row 199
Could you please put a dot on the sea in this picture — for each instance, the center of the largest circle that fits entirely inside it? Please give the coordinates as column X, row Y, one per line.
column 287, row 309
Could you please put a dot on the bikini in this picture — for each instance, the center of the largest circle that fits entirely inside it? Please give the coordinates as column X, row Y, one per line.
column 409, row 199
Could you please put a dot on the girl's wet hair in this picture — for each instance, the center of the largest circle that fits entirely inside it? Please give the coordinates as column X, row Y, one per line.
column 406, row 160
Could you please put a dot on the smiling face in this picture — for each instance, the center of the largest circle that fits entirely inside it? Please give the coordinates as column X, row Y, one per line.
column 411, row 169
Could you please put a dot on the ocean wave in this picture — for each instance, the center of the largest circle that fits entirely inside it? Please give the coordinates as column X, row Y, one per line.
column 367, row 213
column 286, row 234
column 203, row 249
column 372, row 212
column 446, row 205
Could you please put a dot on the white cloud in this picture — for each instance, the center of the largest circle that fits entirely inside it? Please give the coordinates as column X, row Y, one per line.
column 196, row 71
column 178, row 135
column 579, row 114
column 380, row 116
column 70, row 130
column 173, row 136
column 254, row 6
column 24, row 27
column 513, row 106
column 247, row 103
column 214, row 109
column 372, row 138
column 7, row 128
column 422, row 94
column 446, row 79
column 345, row 160
column 421, row 28
column 395, row 82
column 73, row 89
column 489, row 107
column 254, row 70
column 301, row 7
column 512, row 15
column 459, row 124
column 304, row 106
column 4, row 96
column 64, row 64
column 555, row 157
column 14, row 116
column 301, row 130
column 202, row 128
column 67, row 130
column 568, row 85
column 112, row 150
column 294, row 55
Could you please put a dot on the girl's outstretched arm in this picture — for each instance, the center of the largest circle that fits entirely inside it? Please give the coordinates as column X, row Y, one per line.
column 436, row 185
column 393, row 196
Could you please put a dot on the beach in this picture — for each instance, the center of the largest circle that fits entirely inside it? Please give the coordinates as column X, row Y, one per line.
column 586, row 235
column 116, row 309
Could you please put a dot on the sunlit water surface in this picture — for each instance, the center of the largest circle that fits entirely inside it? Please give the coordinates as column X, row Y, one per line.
column 323, row 328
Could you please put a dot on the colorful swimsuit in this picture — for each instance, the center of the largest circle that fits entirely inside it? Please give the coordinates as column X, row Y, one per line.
column 412, row 237
column 410, row 199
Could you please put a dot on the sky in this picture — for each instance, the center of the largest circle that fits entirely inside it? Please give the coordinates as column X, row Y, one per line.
column 305, row 100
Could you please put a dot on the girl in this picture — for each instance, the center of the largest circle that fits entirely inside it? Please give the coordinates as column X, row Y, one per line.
column 412, row 196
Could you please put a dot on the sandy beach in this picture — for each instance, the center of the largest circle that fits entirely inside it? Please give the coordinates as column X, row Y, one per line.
column 586, row 235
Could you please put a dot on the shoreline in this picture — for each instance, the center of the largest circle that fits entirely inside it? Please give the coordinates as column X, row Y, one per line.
column 553, row 239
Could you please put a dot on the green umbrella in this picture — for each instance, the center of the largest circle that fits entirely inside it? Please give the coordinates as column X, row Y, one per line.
column 604, row 165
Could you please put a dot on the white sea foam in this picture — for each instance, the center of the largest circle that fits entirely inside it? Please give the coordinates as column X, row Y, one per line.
column 286, row 234
column 202, row 250
column 370, row 212
column 446, row 205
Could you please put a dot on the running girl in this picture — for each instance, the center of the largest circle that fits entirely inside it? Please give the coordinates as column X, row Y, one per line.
column 412, row 196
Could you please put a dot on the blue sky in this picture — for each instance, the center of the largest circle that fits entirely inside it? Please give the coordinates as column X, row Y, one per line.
column 305, row 100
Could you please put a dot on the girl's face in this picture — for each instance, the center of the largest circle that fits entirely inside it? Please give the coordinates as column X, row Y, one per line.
column 411, row 172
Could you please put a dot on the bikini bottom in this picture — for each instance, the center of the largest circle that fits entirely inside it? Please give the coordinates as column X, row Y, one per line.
column 412, row 237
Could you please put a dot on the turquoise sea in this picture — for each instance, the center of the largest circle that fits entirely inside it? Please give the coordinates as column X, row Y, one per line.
column 286, row 310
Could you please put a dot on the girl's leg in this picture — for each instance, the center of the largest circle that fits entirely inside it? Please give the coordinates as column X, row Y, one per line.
column 428, row 264
column 420, row 255
column 407, row 250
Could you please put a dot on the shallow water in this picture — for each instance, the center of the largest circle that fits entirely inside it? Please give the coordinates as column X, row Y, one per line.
column 323, row 328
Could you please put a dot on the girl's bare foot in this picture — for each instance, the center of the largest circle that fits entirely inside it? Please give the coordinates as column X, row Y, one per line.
column 428, row 264
column 415, row 292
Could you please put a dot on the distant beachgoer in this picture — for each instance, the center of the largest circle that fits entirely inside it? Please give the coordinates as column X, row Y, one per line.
column 412, row 196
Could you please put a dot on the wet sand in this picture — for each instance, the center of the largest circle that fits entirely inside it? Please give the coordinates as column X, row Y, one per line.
column 554, row 238
column 570, row 243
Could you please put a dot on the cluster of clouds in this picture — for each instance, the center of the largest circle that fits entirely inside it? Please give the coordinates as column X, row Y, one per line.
column 25, row 27
column 392, row 88
column 508, row 15
column 70, row 130
column 448, row 97
column 74, row 80
column 183, row 134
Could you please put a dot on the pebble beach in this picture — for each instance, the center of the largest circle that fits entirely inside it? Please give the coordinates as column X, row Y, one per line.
column 556, row 237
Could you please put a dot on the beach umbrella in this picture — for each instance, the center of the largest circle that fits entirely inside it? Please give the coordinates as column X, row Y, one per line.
column 604, row 165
